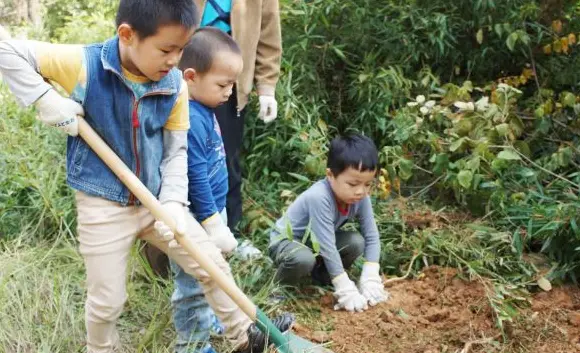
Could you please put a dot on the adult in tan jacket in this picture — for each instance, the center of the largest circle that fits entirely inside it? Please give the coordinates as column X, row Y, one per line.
column 255, row 26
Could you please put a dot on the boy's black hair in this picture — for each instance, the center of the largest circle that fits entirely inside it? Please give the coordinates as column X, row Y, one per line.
column 199, row 53
column 352, row 151
column 146, row 16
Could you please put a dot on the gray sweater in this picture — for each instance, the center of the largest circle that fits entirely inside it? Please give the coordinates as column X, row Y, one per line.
column 317, row 207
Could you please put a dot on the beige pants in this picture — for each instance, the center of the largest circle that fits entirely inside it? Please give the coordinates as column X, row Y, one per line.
column 107, row 232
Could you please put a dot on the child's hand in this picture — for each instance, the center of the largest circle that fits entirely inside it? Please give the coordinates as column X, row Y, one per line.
column 60, row 112
column 268, row 108
column 371, row 284
column 220, row 234
column 347, row 295
column 177, row 210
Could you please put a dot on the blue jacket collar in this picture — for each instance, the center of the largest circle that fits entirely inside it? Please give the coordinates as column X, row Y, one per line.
column 111, row 60
column 201, row 107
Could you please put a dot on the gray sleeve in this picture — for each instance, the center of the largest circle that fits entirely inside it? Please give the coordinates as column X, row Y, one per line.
column 19, row 69
column 369, row 231
column 321, row 208
column 174, row 167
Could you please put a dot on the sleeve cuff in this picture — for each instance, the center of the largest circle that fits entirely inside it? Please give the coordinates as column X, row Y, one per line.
column 339, row 276
column 371, row 264
column 210, row 218
column 264, row 89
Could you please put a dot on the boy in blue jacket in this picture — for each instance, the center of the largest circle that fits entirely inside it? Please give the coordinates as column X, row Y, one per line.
column 211, row 64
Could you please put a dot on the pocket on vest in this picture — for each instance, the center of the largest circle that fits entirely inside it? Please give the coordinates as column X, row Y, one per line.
column 79, row 155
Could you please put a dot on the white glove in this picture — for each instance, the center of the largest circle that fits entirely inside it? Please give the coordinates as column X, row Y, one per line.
column 371, row 284
column 60, row 112
column 268, row 108
column 219, row 233
column 177, row 210
column 347, row 295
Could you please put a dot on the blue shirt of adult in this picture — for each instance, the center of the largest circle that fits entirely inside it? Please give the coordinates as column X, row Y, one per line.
column 220, row 17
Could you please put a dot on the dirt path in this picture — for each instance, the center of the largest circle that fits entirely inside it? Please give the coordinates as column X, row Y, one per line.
column 441, row 313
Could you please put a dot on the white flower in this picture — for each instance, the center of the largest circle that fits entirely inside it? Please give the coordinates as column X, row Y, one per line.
column 506, row 88
column 482, row 104
column 425, row 107
column 465, row 106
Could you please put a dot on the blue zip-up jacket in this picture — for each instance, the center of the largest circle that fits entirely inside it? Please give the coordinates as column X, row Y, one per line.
column 206, row 163
column 130, row 122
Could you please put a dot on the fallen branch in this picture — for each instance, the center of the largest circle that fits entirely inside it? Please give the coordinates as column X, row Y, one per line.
column 468, row 345
column 397, row 279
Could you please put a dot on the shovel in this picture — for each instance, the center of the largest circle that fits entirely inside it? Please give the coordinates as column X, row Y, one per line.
column 285, row 343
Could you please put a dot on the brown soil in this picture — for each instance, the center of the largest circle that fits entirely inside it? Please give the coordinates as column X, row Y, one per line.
column 442, row 313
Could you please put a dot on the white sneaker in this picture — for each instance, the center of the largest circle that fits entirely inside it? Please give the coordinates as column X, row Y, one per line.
column 247, row 251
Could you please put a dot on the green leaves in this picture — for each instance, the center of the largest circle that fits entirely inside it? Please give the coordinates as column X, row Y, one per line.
column 455, row 145
column 464, row 178
column 516, row 36
column 405, row 169
column 509, row 155
column 479, row 36
column 511, row 41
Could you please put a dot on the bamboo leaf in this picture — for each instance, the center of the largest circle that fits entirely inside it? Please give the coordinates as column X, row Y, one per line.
column 509, row 155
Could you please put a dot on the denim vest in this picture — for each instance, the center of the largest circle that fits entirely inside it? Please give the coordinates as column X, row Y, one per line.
column 130, row 122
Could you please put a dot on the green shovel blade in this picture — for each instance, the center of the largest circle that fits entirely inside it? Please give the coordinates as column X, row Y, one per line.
column 288, row 342
column 300, row 345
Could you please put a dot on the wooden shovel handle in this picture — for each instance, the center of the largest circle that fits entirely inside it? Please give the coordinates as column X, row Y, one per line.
column 135, row 185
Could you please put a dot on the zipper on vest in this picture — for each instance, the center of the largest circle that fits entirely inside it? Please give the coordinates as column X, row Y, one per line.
column 135, row 121
column 136, row 124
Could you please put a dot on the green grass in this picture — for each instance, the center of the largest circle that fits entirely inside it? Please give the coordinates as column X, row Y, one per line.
column 42, row 296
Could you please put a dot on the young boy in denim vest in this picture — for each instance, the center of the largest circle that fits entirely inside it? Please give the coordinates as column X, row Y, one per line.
column 130, row 91
column 211, row 64
column 323, row 209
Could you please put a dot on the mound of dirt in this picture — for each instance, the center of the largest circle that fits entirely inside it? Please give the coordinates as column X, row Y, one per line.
column 442, row 313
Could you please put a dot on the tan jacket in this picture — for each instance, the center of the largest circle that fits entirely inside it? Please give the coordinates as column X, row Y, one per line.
column 256, row 28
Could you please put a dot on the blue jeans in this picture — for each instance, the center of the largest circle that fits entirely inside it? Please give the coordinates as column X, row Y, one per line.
column 192, row 316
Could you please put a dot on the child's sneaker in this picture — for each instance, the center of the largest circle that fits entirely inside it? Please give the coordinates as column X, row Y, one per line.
column 209, row 349
column 216, row 326
column 258, row 340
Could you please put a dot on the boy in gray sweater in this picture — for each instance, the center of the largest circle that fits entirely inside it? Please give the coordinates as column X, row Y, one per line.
column 323, row 209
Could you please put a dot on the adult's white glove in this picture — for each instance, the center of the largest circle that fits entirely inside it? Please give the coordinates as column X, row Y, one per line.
column 268, row 108
column 371, row 284
column 177, row 210
column 219, row 233
column 60, row 112
column 347, row 295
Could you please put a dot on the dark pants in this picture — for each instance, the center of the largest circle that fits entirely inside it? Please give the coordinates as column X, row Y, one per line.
column 232, row 128
column 296, row 261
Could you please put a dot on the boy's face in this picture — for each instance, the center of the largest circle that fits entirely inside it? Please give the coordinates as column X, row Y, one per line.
column 214, row 87
column 351, row 185
column 154, row 56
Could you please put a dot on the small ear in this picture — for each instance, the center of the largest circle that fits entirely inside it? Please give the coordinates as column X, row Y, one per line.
column 190, row 74
column 329, row 173
column 126, row 33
